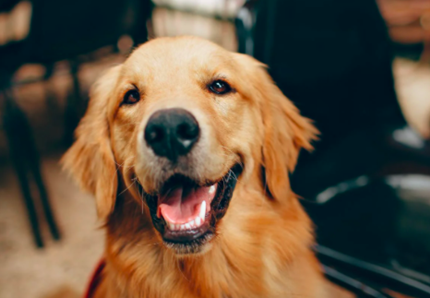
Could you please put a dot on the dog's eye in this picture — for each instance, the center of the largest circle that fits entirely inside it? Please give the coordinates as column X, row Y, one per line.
column 131, row 97
column 219, row 87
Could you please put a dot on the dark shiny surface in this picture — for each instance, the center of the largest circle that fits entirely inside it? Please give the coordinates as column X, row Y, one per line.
column 356, row 274
column 384, row 221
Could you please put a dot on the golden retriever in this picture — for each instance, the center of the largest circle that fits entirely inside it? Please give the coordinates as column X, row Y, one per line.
column 187, row 149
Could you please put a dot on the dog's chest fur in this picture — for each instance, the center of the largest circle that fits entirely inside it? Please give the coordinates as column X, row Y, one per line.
column 241, row 263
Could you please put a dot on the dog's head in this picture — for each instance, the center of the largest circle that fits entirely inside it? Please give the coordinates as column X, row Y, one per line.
column 182, row 124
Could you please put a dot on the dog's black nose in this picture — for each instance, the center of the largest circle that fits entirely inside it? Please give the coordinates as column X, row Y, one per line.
column 172, row 132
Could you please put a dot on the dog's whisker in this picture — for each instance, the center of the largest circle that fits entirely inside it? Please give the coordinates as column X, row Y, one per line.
column 123, row 165
column 228, row 149
column 127, row 188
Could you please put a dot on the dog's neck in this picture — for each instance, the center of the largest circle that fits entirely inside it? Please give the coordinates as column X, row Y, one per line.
column 138, row 262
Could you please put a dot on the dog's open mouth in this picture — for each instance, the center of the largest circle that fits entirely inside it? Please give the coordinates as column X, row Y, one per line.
column 185, row 213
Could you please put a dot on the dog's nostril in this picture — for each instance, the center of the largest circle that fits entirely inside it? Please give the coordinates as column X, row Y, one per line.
column 186, row 131
column 172, row 133
column 155, row 135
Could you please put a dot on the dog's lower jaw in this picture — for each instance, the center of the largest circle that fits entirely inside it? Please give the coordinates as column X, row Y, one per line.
column 190, row 250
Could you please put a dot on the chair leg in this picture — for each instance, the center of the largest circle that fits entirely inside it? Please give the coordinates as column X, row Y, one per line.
column 74, row 105
column 29, row 203
column 47, row 210
column 17, row 132
column 33, row 164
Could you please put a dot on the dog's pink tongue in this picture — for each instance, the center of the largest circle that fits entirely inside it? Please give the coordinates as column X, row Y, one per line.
column 181, row 204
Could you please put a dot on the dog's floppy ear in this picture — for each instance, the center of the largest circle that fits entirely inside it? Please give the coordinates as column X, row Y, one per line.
column 90, row 159
column 286, row 132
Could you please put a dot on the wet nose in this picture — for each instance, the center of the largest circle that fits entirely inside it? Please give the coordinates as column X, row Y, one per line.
column 172, row 133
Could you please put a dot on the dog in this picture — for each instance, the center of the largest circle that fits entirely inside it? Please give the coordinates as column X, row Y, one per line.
column 187, row 148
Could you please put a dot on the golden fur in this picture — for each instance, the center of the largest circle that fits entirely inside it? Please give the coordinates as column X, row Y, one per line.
column 262, row 247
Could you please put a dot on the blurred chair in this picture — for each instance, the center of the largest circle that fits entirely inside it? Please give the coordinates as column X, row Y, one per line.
column 60, row 30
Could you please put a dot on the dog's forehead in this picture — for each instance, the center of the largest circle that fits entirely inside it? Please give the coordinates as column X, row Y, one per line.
column 178, row 55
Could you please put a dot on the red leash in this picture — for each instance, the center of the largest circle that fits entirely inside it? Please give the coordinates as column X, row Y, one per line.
column 95, row 279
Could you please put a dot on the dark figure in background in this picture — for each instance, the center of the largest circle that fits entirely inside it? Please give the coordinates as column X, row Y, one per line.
column 333, row 60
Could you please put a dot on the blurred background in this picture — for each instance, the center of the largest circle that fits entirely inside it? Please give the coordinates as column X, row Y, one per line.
column 359, row 68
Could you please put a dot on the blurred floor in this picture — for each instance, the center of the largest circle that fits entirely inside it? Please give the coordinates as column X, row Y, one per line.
column 62, row 269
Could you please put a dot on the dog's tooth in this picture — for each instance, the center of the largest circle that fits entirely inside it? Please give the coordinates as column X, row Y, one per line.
column 212, row 189
column 203, row 210
column 182, row 227
column 192, row 224
column 177, row 227
column 187, row 226
column 198, row 221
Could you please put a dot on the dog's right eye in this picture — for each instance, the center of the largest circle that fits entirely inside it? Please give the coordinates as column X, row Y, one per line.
column 219, row 87
column 131, row 97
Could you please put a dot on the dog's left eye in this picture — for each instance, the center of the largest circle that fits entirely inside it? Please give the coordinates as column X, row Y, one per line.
column 131, row 97
column 219, row 87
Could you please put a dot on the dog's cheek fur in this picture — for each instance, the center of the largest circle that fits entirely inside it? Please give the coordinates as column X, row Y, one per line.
column 90, row 159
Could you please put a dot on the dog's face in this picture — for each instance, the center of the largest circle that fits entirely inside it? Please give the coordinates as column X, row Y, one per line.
column 182, row 124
